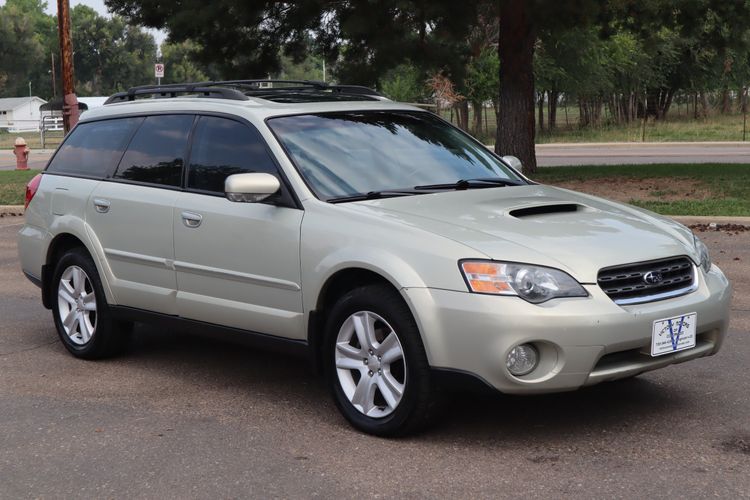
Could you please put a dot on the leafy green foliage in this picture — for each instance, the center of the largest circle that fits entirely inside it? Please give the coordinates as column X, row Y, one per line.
column 403, row 83
column 21, row 45
column 109, row 54
column 308, row 67
column 483, row 76
column 179, row 63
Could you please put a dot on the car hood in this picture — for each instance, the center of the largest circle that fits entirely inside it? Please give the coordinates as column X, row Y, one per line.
column 542, row 225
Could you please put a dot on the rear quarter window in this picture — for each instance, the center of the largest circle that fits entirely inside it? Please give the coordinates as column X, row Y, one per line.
column 93, row 149
column 157, row 152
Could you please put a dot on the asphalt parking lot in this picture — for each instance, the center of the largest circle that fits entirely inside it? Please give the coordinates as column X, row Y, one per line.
column 184, row 417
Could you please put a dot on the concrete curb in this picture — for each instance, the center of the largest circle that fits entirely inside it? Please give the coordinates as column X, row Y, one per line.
column 690, row 220
column 11, row 210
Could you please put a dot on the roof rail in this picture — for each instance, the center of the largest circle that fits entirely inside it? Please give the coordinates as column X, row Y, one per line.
column 237, row 90
column 205, row 89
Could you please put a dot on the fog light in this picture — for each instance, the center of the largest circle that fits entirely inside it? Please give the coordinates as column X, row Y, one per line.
column 522, row 360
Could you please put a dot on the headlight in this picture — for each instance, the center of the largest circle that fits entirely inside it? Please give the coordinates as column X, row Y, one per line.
column 705, row 258
column 534, row 284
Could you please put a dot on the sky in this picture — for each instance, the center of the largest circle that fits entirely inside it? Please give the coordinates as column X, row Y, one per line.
column 97, row 5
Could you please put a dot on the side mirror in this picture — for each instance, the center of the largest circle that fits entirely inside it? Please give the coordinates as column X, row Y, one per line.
column 250, row 188
column 513, row 162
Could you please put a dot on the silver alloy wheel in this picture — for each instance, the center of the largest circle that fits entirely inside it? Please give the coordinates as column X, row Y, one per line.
column 76, row 305
column 370, row 364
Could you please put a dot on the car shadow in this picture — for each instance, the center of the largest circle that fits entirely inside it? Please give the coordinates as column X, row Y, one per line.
column 467, row 416
column 609, row 407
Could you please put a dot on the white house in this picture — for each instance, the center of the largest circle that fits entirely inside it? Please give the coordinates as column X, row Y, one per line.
column 20, row 114
column 51, row 112
column 93, row 101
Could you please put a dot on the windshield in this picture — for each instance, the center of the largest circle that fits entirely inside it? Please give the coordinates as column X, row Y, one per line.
column 348, row 153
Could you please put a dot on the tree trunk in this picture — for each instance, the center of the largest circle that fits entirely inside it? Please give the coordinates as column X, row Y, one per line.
column 704, row 105
column 477, row 107
column 462, row 114
column 726, row 101
column 668, row 104
column 541, row 111
column 554, row 95
column 695, row 106
column 583, row 115
column 516, row 131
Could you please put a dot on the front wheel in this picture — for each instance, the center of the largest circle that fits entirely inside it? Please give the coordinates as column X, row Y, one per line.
column 376, row 364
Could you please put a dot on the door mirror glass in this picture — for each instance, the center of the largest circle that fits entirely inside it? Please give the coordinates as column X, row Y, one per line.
column 513, row 162
column 250, row 188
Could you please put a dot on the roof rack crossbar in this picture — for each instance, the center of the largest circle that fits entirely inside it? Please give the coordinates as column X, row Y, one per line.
column 242, row 88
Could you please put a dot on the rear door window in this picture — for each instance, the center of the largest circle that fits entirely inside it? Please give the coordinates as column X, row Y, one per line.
column 157, row 152
column 94, row 148
column 223, row 147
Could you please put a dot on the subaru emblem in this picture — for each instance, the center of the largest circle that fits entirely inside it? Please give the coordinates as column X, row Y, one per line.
column 653, row 278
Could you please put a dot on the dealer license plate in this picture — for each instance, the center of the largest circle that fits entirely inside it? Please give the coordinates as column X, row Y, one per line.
column 673, row 334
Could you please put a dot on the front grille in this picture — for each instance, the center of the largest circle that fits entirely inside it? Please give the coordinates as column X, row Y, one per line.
column 628, row 284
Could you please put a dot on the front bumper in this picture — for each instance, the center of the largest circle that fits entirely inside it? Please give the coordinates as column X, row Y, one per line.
column 582, row 341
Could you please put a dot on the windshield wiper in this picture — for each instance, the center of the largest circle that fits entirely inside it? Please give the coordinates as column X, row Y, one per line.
column 373, row 195
column 471, row 184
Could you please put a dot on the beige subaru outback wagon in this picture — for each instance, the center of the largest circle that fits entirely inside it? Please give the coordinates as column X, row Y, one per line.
column 393, row 250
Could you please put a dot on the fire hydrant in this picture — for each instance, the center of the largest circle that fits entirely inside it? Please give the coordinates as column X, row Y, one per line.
column 22, row 154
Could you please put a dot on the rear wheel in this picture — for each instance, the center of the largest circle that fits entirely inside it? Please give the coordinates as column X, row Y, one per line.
column 82, row 316
column 376, row 364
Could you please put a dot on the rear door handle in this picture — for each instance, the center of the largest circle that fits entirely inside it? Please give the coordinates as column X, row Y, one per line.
column 101, row 206
column 191, row 219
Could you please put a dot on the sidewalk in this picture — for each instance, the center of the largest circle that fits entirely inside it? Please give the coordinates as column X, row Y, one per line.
column 37, row 159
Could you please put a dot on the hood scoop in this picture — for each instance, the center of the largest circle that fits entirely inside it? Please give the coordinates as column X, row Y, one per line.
column 548, row 209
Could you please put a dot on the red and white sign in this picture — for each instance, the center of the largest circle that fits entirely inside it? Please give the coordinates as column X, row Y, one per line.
column 159, row 70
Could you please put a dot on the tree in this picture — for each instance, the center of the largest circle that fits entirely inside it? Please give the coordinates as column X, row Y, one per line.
column 482, row 82
column 110, row 55
column 308, row 67
column 403, row 83
column 21, row 48
column 179, row 63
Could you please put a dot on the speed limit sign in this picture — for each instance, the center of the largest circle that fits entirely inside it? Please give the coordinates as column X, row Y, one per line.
column 159, row 70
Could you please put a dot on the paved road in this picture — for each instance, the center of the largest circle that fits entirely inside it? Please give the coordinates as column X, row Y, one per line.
column 37, row 159
column 549, row 155
column 181, row 417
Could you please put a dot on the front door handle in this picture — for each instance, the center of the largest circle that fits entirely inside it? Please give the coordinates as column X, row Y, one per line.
column 101, row 206
column 191, row 219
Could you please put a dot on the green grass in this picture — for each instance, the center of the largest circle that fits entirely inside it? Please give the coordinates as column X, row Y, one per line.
column 677, row 128
column 13, row 186
column 728, row 184
column 33, row 140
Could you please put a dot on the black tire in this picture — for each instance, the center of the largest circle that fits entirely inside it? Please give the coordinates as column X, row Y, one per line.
column 108, row 337
column 414, row 410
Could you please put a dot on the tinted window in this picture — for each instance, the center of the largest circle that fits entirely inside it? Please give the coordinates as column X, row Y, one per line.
column 94, row 148
column 224, row 147
column 156, row 153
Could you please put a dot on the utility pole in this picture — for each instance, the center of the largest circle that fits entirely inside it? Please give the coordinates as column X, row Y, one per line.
column 70, row 102
column 744, row 114
column 54, row 80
